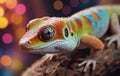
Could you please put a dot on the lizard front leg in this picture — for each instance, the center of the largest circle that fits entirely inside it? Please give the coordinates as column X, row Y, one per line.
column 115, row 28
column 96, row 45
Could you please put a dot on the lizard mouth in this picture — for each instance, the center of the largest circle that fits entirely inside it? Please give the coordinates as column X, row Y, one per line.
column 50, row 45
column 53, row 47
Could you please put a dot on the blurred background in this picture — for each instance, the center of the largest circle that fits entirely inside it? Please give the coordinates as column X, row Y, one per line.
column 14, row 15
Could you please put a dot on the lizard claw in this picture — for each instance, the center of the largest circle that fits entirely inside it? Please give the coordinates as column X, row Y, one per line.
column 112, row 39
column 88, row 63
column 46, row 58
column 49, row 56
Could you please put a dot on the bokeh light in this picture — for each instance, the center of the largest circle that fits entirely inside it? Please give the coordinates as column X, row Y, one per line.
column 2, row 1
column 18, row 32
column 74, row 3
column 7, row 72
column 6, row 60
column 3, row 22
column 20, row 9
column 16, row 19
column 58, row 5
column 17, row 65
column 7, row 38
column 11, row 4
column 1, row 11
column 66, row 10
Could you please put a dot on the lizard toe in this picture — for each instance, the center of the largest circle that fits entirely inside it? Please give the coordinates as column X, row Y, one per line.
column 87, row 64
column 112, row 39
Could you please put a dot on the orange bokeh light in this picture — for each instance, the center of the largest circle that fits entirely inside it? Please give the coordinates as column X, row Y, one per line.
column 2, row 1
column 1, row 12
column 6, row 60
column 3, row 22
column 58, row 5
column 16, row 19
column 11, row 4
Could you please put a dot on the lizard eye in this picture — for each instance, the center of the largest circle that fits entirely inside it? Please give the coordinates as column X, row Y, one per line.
column 47, row 33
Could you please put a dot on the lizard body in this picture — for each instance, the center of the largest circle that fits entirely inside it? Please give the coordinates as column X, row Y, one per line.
column 62, row 35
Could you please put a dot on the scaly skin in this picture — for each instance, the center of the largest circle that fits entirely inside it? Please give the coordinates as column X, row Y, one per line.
column 62, row 35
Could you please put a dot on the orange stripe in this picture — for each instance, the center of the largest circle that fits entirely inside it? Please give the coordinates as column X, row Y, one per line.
column 95, row 16
column 73, row 25
column 86, row 21
column 68, row 26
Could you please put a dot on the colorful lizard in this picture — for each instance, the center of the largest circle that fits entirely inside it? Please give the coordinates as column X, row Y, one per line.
column 52, row 35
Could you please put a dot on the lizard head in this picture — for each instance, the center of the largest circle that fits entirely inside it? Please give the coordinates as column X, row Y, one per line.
column 48, row 35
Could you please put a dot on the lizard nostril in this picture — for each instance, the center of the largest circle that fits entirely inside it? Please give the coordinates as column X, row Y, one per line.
column 24, row 43
column 29, row 42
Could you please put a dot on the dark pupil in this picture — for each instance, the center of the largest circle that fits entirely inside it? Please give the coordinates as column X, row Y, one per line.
column 47, row 33
column 66, row 32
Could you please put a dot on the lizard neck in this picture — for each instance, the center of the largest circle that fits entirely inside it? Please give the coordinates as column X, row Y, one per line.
column 80, row 25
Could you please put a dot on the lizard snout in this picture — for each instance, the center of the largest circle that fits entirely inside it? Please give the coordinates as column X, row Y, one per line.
column 25, row 44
